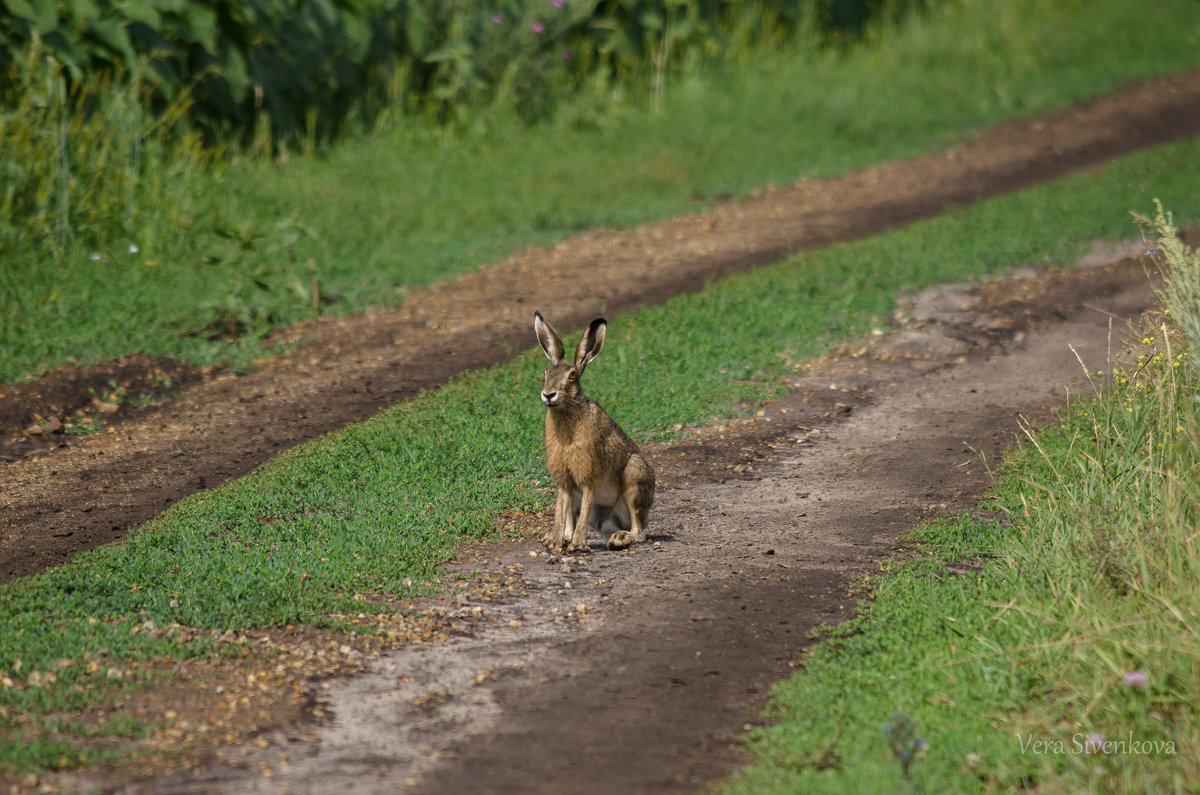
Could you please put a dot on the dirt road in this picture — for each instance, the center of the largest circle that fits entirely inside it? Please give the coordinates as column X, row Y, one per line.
column 622, row 672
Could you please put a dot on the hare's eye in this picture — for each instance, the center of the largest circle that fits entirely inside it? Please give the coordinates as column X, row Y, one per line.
column 571, row 376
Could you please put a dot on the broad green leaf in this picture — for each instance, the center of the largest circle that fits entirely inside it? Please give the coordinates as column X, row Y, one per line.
column 201, row 21
column 22, row 9
column 417, row 29
column 141, row 11
column 652, row 20
column 681, row 30
column 80, row 11
column 358, row 31
column 237, row 74
column 42, row 13
column 113, row 33
column 449, row 53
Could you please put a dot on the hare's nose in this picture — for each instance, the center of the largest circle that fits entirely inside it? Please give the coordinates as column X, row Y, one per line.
column 548, row 397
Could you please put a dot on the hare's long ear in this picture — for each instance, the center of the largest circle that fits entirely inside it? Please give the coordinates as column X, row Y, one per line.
column 590, row 343
column 549, row 339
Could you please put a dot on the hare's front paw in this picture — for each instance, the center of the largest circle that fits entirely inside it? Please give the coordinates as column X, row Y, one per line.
column 553, row 541
column 579, row 547
column 622, row 539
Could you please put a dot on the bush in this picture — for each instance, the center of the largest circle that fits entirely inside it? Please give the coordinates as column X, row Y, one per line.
column 303, row 68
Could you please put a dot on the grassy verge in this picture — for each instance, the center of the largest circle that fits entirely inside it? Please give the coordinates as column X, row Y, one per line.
column 352, row 521
column 1068, row 661
column 268, row 244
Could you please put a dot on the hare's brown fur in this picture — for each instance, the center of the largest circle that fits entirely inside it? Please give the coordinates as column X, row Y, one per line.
column 594, row 462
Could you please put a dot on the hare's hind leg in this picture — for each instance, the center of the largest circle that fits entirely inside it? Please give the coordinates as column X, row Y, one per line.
column 616, row 526
column 636, row 534
column 636, row 500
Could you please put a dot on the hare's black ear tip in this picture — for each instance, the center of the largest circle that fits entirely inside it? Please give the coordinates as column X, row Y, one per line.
column 537, row 315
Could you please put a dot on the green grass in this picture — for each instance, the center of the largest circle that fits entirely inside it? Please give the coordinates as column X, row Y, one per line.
column 374, row 217
column 364, row 516
column 1081, row 626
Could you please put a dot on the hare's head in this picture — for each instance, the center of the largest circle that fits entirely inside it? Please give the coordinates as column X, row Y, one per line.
column 562, row 386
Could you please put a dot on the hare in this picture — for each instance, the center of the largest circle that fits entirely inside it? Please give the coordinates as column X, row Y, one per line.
column 595, row 464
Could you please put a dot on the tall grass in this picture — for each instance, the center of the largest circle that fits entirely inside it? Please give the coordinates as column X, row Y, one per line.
column 1069, row 662
column 1117, row 572
column 1180, row 293
column 85, row 164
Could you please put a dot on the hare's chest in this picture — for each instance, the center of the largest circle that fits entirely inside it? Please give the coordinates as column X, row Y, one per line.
column 572, row 463
column 576, row 467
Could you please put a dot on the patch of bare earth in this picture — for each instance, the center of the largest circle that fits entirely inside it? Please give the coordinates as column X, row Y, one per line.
column 613, row 671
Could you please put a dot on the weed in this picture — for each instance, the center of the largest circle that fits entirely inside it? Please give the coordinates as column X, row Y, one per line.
column 1180, row 293
column 84, row 425
column 905, row 745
